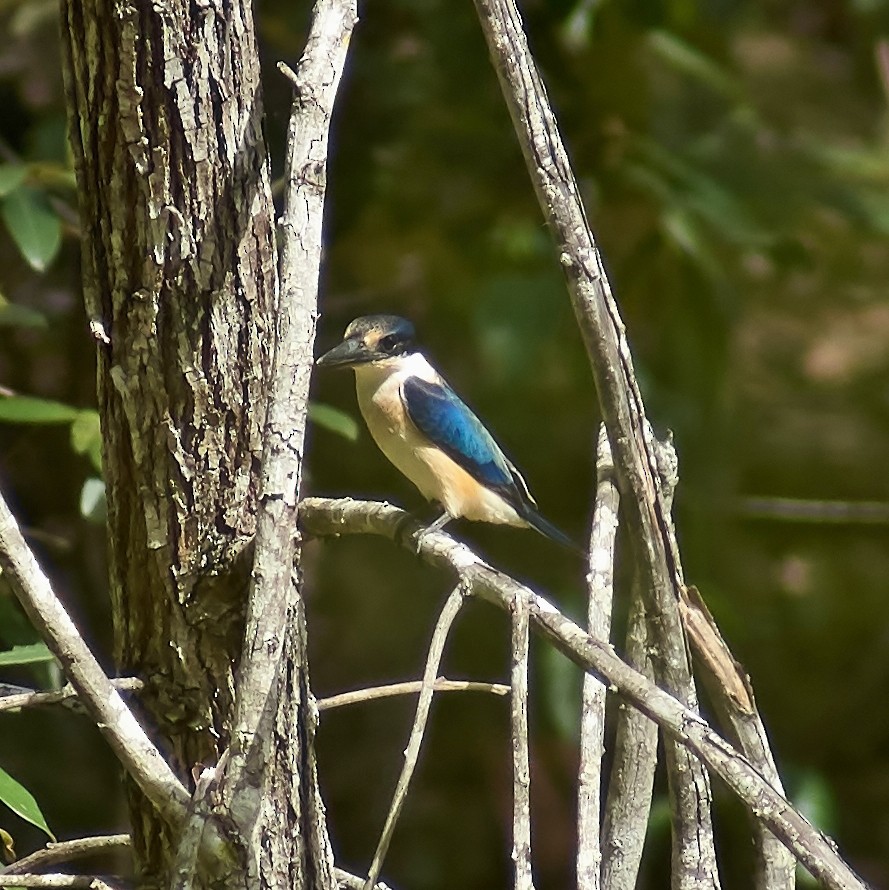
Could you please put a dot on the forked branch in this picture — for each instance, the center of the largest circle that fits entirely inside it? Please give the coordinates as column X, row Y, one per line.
column 320, row 516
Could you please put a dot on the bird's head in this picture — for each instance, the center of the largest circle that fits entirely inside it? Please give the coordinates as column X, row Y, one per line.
column 371, row 339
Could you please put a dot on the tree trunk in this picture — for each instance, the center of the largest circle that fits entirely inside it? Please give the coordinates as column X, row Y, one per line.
column 180, row 286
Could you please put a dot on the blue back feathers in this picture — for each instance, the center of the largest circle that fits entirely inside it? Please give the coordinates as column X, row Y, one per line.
column 437, row 411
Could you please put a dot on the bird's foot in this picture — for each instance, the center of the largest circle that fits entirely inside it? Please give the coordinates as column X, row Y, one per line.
column 432, row 528
column 402, row 530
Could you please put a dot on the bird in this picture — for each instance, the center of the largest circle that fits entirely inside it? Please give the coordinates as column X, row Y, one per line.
column 431, row 436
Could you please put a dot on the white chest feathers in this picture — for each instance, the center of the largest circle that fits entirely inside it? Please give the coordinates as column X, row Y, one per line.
column 437, row 476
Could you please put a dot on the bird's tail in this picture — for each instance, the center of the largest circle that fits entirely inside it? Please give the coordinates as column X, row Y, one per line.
column 547, row 529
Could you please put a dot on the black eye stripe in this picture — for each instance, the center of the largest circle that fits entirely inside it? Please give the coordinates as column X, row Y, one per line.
column 387, row 343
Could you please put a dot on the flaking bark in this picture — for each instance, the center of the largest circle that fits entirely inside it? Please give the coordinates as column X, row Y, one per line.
column 180, row 283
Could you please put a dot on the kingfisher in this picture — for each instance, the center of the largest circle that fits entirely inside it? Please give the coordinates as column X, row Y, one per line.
column 428, row 432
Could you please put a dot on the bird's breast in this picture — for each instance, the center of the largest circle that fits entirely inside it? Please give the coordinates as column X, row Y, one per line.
column 379, row 399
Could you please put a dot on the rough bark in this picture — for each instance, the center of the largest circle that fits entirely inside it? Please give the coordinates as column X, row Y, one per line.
column 179, row 285
column 271, row 784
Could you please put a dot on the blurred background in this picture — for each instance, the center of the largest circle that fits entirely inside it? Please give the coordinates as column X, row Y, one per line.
column 733, row 159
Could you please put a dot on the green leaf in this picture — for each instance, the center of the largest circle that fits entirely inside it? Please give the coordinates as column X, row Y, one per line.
column 681, row 228
column 52, row 174
column 33, row 225
column 33, row 653
column 31, row 16
column 86, row 437
column 92, row 500
column 815, row 799
column 333, row 419
column 678, row 181
column 22, row 802
column 867, row 208
column 15, row 629
column 7, row 847
column 690, row 61
column 27, row 409
column 12, row 316
column 11, row 177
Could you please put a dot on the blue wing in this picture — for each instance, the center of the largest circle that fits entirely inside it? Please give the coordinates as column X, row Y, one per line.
column 437, row 411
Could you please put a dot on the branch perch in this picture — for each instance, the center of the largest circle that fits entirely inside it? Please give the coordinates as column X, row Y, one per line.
column 60, row 882
column 628, row 803
column 320, row 516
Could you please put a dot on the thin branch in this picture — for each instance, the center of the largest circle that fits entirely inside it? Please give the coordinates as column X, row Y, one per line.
column 694, row 850
column 521, row 761
column 412, row 752
column 67, row 695
column 66, row 851
column 132, row 747
column 808, row 510
column 628, row 802
column 630, row 790
column 623, row 412
column 816, row 852
column 60, row 882
column 410, row 688
column 600, row 584
column 347, row 880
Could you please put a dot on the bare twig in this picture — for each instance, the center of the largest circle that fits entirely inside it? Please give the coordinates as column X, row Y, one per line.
column 521, row 761
column 132, row 747
column 816, row 852
column 694, row 850
column 410, row 688
column 60, row 882
column 67, row 695
column 66, row 851
column 273, row 679
column 347, row 880
column 600, row 583
column 628, row 802
column 623, row 412
column 815, row 511
column 412, row 752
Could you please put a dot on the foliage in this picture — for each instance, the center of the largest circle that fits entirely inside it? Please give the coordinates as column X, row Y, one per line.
column 22, row 802
column 733, row 160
